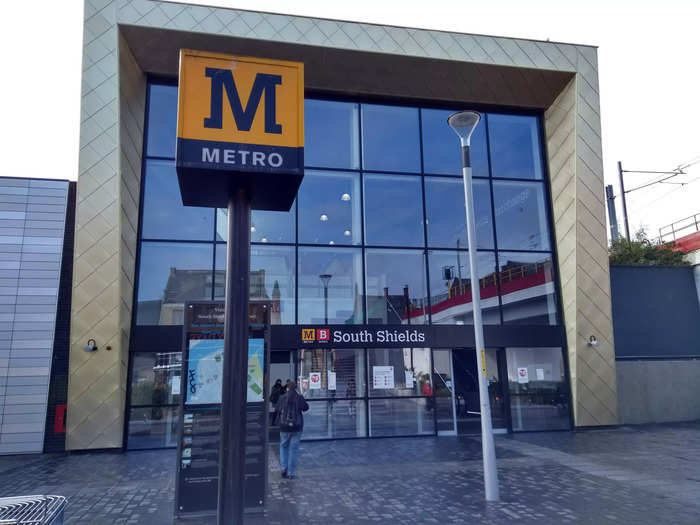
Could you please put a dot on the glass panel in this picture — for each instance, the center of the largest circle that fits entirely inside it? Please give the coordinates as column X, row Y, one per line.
column 344, row 302
column 442, row 152
column 515, row 146
column 329, row 208
column 155, row 378
column 265, row 226
column 521, row 216
column 154, row 427
column 401, row 417
column 447, row 222
column 170, row 274
column 396, row 291
column 341, row 418
column 162, row 121
column 331, row 134
column 272, row 277
column 539, row 392
column 408, row 370
column 393, row 210
column 443, row 383
column 347, row 365
column 390, row 138
column 450, row 287
column 528, row 294
column 164, row 216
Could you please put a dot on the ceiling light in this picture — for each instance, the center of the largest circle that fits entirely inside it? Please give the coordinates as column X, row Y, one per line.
column 346, row 233
column 324, row 217
column 331, row 242
column 252, row 228
column 345, row 197
column 264, row 239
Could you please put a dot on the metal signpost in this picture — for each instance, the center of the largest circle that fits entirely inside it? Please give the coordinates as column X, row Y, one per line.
column 239, row 156
column 463, row 123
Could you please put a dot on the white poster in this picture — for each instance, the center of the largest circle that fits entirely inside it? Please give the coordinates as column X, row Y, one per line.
column 409, row 378
column 540, row 374
column 331, row 380
column 522, row 375
column 315, row 381
column 382, row 377
column 175, row 385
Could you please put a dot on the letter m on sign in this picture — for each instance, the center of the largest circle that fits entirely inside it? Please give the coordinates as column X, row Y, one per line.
column 222, row 80
column 308, row 334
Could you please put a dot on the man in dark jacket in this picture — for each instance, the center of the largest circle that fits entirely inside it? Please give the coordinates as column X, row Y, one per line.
column 291, row 421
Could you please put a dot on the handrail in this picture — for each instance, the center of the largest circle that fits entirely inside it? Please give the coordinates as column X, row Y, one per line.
column 694, row 223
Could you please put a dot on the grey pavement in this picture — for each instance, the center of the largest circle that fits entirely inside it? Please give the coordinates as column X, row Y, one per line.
column 640, row 474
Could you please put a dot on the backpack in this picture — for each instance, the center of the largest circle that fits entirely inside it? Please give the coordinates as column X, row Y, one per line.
column 289, row 419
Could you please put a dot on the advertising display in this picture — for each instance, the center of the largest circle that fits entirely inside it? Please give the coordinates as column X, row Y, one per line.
column 200, row 424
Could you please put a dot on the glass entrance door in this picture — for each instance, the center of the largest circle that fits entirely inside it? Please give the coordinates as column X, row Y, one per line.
column 444, row 392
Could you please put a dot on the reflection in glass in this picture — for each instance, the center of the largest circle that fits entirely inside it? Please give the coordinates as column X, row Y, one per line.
column 265, row 226
column 539, row 396
column 164, row 216
column 347, row 365
column 390, row 138
column 331, row 134
column 154, row 427
column 393, row 210
column 271, row 279
column 515, row 146
column 162, row 121
column 527, row 288
column 329, row 208
column 443, row 383
column 521, row 216
column 450, row 287
column 170, row 274
column 396, row 287
column 444, row 205
column 442, row 153
column 401, row 417
column 335, row 418
column 345, row 303
column 409, row 368
column 155, row 378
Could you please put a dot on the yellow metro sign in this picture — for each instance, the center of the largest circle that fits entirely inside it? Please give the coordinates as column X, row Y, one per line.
column 243, row 115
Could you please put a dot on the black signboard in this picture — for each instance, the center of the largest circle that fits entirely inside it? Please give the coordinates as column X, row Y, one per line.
column 200, row 413
column 410, row 336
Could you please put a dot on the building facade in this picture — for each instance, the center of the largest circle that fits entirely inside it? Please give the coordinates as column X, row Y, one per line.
column 376, row 235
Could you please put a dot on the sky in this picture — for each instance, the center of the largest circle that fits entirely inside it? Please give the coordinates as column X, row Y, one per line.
column 648, row 70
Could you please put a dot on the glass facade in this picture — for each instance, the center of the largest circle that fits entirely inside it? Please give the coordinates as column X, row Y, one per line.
column 380, row 214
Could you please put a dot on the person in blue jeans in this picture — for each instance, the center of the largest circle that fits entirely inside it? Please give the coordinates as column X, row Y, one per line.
column 291, row 421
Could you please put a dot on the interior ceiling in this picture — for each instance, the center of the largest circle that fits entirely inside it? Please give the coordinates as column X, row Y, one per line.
column 361, row 73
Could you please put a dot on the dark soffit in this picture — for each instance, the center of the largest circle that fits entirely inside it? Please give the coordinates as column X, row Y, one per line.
column 361, row 73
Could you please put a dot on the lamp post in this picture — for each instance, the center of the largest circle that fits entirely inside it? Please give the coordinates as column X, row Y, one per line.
column 325, row 279
column 463, row 124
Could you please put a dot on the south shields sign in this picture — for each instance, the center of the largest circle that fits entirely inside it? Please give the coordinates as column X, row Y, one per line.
column 240, row 123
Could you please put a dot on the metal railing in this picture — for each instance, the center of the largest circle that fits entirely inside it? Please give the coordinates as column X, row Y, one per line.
column 32, row 510
column 680, row 228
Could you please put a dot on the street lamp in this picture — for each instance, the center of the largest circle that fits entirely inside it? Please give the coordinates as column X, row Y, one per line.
column 463, row 124
column 325, row 279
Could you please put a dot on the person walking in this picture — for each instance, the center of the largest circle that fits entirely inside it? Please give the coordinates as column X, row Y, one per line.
column 291, row 422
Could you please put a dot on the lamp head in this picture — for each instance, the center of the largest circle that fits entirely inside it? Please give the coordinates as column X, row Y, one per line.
column 463, row 123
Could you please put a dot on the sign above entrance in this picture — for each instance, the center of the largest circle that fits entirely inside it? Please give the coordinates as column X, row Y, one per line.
column 240, row 123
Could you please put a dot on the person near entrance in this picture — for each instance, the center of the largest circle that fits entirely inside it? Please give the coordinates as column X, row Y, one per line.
column 277, row 392
column 291, row 422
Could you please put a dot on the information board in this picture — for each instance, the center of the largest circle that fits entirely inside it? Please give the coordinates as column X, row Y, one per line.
column 200, row 424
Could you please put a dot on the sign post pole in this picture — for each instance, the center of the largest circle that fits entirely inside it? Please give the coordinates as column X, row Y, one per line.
column 234, row 381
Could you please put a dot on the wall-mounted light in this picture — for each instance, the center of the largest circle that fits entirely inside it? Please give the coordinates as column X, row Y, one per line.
column 593, row 341
column 91, row 345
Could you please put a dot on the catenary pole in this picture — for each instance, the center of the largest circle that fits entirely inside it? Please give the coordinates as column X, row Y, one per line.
column 624, row 199
column 463, row 124
column 235, row 367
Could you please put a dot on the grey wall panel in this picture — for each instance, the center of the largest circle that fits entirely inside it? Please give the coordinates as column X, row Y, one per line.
column 32, row 224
